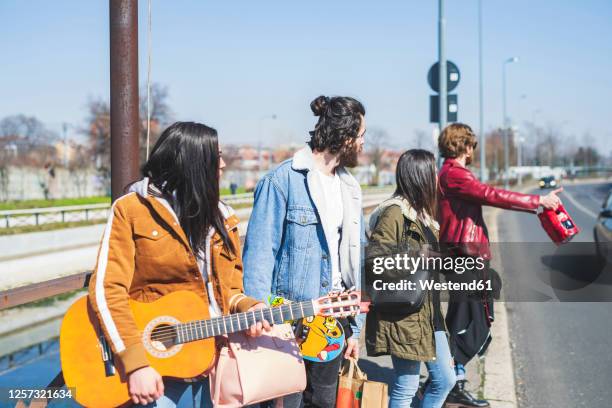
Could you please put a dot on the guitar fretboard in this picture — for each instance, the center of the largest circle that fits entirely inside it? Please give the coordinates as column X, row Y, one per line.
column 202, row 329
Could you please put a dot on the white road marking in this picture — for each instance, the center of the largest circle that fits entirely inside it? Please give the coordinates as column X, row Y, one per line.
column 570, row 197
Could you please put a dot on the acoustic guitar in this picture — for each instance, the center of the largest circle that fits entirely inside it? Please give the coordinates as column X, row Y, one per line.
column 177, row 334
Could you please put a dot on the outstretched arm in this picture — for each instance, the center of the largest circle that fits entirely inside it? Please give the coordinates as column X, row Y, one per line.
column 461, row 183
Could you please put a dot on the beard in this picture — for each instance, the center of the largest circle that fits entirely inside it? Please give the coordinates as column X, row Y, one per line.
column 349, row 156
column 468, row 160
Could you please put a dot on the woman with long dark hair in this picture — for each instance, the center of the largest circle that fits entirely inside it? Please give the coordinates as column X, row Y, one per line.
column 169, row 232
column 405, row 223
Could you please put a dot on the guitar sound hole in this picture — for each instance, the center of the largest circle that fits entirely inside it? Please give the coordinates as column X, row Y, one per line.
column 163, row 337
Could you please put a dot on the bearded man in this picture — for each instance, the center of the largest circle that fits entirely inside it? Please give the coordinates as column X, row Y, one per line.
column 306, row 231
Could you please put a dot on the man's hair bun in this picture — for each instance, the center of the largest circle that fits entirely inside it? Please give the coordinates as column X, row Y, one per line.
column 319, row 105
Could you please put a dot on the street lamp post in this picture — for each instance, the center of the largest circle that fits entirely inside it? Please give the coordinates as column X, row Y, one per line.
column 65, row 144
column 442, row 73
column 443, row 106
column 505, row 121
column 520, row 140
column 483, row 159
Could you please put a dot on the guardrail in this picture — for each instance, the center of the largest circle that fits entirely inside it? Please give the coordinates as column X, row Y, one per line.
column 75, row 213
column 37, row 216
column 72, row 213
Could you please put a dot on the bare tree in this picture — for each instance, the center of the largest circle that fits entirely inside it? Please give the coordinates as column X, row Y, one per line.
column 28, row 140
column 587, row 155
column 78, row 165
column 97, row 130
column 4, row 179
column 376, row 142
column 495, row 152
column 30, row 131
column 25, row 141
column 161, row 115
column 549, row 145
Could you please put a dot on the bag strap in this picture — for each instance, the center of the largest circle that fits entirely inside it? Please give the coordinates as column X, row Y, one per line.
column 353, row 369
column 217, row 385
column 358, row 373
column 351, row 365
column 431, row 238
column 409, row 233
column 428, row 234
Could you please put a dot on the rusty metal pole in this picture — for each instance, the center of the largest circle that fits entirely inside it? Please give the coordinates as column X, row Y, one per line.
column 124, row 94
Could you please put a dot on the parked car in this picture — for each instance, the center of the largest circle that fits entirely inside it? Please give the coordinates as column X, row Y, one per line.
column 603, row 231
column 548, row 182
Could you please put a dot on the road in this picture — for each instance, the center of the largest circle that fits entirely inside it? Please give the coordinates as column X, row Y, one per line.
column 561, row 344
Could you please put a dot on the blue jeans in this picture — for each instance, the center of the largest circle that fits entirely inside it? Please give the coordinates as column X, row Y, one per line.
column 460, row 371
column 441, row 374
column 174, row 390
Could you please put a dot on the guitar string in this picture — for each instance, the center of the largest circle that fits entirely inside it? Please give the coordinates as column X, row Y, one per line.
column 218, row 320
column 192, row 331
column 203, row 324
column 199, row 324
column 173, row 331
column 290, row 306
column 190, row 336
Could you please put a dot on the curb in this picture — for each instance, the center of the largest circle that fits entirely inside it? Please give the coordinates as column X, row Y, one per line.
column 496, row 368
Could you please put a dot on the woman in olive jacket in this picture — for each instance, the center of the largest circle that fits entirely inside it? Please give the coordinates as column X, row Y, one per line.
column 404, row 221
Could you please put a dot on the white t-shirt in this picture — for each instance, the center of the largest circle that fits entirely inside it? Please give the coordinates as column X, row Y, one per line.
column 333, row 229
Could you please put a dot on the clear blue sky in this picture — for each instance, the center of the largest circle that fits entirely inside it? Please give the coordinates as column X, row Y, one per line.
column 229, row 63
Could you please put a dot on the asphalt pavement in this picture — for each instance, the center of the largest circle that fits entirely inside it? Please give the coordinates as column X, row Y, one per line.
column 561, row 344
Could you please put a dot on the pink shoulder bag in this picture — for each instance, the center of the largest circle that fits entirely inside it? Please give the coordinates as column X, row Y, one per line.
column 254, row 369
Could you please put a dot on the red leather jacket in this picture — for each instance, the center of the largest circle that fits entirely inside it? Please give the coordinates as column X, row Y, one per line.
column 461, row 197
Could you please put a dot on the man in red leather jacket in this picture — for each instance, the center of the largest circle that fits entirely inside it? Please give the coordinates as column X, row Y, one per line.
column 462, row 228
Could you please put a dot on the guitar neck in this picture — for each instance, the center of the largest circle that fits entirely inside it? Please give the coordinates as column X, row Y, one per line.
column 202, row 329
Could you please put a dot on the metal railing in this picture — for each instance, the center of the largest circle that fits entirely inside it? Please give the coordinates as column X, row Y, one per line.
column 38, row 216
column 89, row 212
column 75, row 213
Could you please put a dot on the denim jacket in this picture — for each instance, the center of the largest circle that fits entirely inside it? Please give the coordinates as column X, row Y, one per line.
column 285, row 250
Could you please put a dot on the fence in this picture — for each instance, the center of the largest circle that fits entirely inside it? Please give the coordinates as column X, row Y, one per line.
column 75, row 213
column 38, row 216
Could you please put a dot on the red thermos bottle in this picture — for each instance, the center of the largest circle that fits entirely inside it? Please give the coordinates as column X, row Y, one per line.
column 558, row 225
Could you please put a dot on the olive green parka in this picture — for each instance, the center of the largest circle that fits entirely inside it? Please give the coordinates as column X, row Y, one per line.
column 405, row 336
